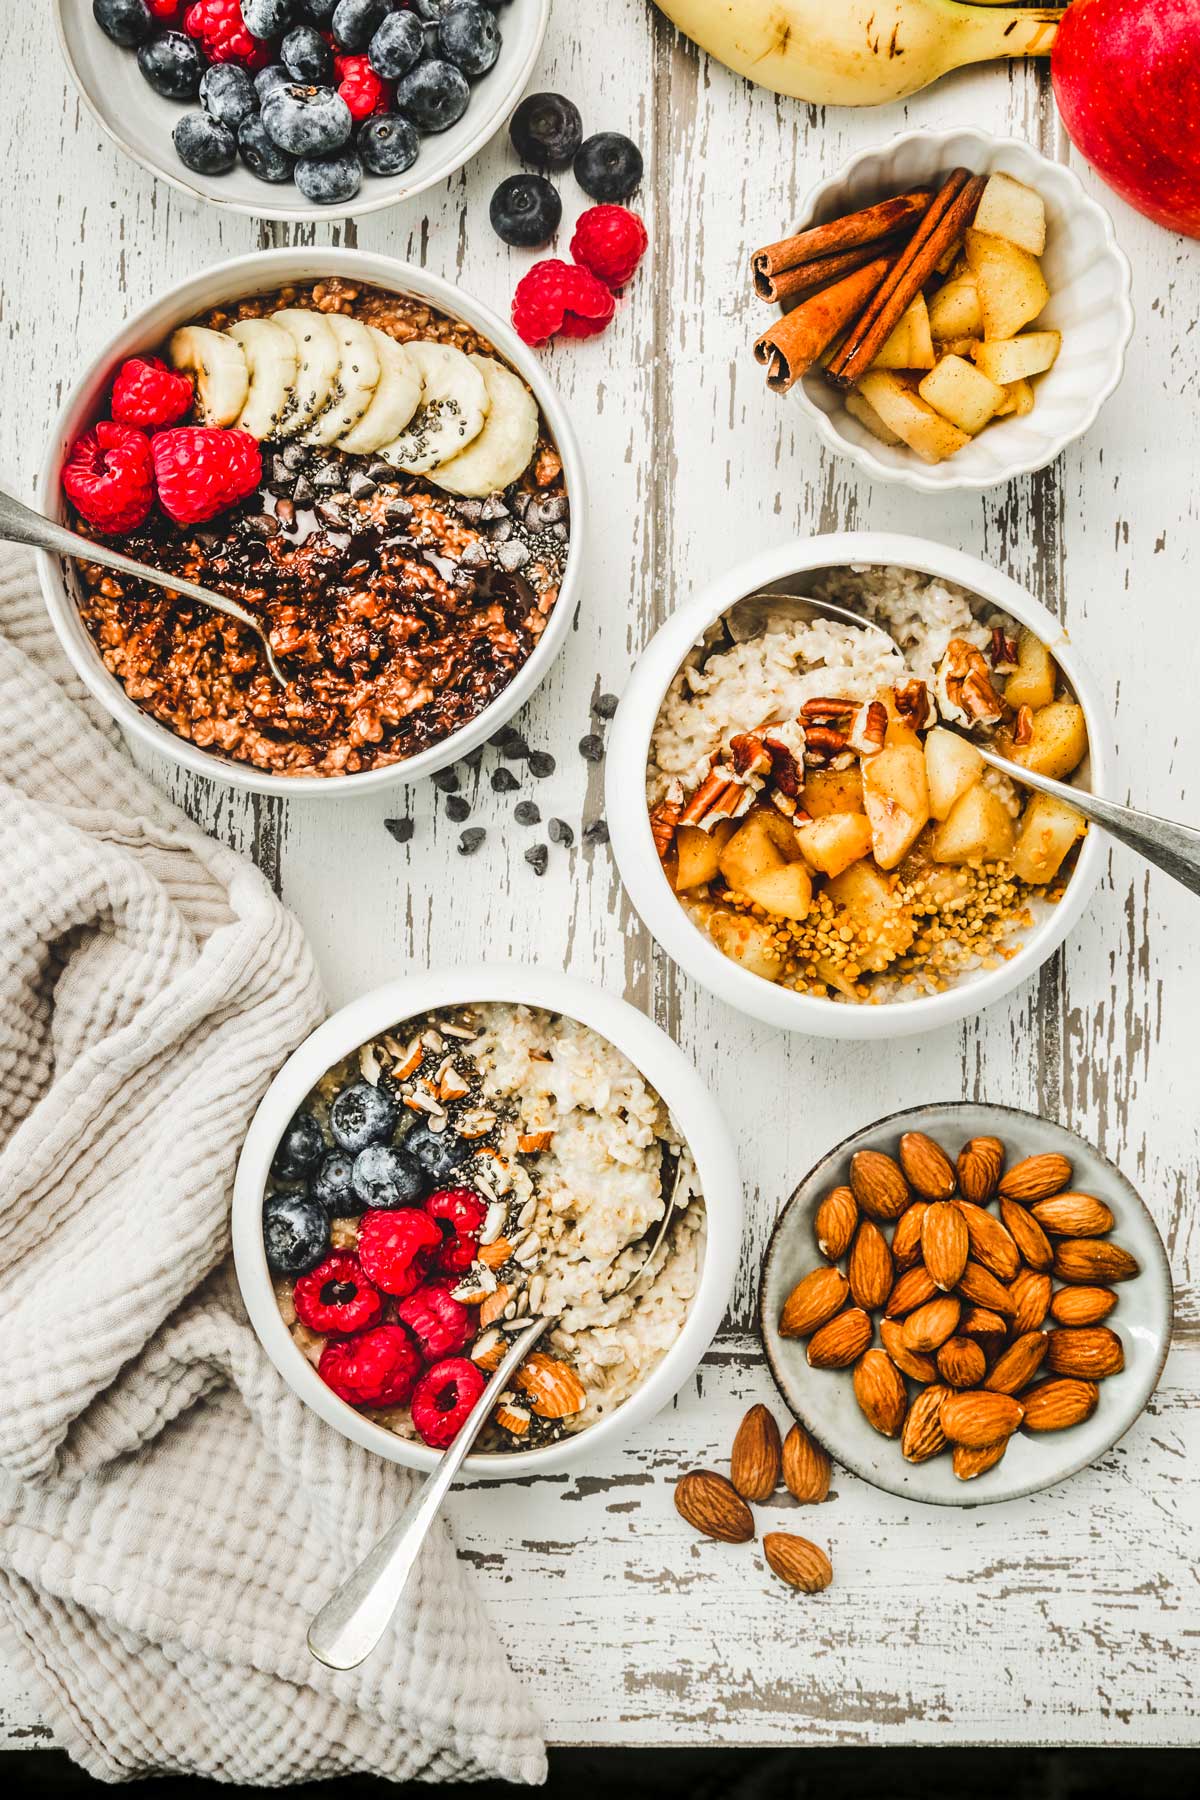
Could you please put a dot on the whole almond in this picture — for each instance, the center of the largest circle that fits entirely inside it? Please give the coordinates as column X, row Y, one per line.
column 980, row 1287
column 870, row 1266
column 1073, row 1215
column 967, row 1463
column 1031, row 1296
column 961, row 1362
column 931, row 1324
column 991, row 1243
column 840, row 1342
column 944, row 1244
column 1093, row 1261
column 1035, row 1178
column 1054, row 1405
column 806, row 1467
column 913, row 1289
column 909, row 1362
column 1082, row 1305
column 879, row 1184
column 906, row 1239
column 834, row 1224
column 1027, row 1235
column 978, row 1418
column 923, row 1436
column 929, row 1170
column 757, row 1455
column 801, row 1564
column 980, row 1162
column 712, row 1505
column 880, row 1391
column 813, row 1301
column 1089, row 1352
column 1018, row 1365
column 988, row 1328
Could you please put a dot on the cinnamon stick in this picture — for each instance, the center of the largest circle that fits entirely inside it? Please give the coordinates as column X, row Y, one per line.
column 807, row 277
column 848, row 233
column 794, row 342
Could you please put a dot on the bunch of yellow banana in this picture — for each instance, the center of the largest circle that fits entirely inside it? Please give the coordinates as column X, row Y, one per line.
column 859, row 52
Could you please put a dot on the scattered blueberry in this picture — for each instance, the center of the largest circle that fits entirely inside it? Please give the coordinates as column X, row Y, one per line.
column 541, row 764
column 227, row 92
column 458, row 808
column 446, row 780
column 527, row 812
column 561, row 833
column 328, row 180
column 469, row 37
column 362, row 1115
column 172, row 65
column 401, row 829
column 126, row 22
column 295, row 1233
column 608, row 166
column 331, row 1184
column 387, row 1176
column 469, row 841
column 538, row 858
column 355, row 22
column 204, row 144
column 434, row 95
column 267, row 18
column 591, row 747
column 306, row 121
column 397, row 46
column 504, row 782
column 319, row 11
column 306, row 56
column 437, row 1153
column 298, row 1148
column 430, row 10
column 596, row 832
column 606, row 706
column 388, row 144
column 546, row 130
column 525, row 211
column 261, row 156
column 268, row 79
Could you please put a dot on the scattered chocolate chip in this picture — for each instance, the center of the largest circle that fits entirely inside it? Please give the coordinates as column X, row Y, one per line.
column 360, row 485
column 447, row 780
column 260, row 525
column 504, row 782
column 379, row 471
column 501, row 531
column 303, row 494
column 294, row 457
column 546, row 509
column 605, row 706
column 541, row 764
column 469, row 841
column 458, row 808
column 398, row 508
column 281, row 477
column 473, row 758
column 596, row 832
column 528, row 812
column 513, row 556
column 330, row 514
column 474, row 555
column 538, row 858
column 561, row 832
column 470, row 510
column 515, row 747
column 401, row 829
column 208, row 540
column 493, row 508
column 329, row 477
column 592, row 747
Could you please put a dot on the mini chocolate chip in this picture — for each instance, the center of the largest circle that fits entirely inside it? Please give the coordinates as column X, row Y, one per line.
column 504, row 782
column 474, row 555
column 528, row 812
column 541, row 764
column 538, row 858
column 470, row 841
column 592, row 747
column 331, row 514
column 547, row 509
column 401, row 829
column 458, row 808
column 501, row 531
column 294, row 457
column 473, row 758
column 380, row 471
column 512, row 557
column 303, row 494
column 447, row 780
column 260, row 525
column 493, row 508
column 398, row 508
column 361, row 486
column 596, row 832
column 515, row 747
column 605, row 706
column 329, row 477
column 470, row 510
column 561, row 833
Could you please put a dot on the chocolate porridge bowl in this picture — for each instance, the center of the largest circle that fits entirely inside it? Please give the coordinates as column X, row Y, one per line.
column 410, row 531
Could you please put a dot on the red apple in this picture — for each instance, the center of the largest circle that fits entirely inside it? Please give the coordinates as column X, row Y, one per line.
column 1127, row 81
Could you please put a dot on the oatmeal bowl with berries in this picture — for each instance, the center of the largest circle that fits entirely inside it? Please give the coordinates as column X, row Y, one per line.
column 454, row 1156
column 368, row 462
column 820, row 841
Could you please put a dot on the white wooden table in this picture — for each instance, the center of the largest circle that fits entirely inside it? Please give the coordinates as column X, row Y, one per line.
column 1062, row 1619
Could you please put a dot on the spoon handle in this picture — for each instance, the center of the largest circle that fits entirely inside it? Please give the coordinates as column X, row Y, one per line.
column 353, row 1620
column 1174, row 848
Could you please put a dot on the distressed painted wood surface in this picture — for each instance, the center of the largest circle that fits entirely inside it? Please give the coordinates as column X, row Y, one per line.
column 1068, row 1618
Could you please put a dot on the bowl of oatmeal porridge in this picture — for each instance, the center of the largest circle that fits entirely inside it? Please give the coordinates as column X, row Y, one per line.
column 407, row 523
column 814, row 843
column 453, row 1155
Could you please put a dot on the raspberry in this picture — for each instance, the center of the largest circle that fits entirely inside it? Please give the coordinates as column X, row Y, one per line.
column 442, row 1399
column 202, row 471
column 610, row 241
column 374, row 1368
column 441, row 1324
column 109, row 477
column 460, row 1213
column 360, row 87
column 335, row 1300
column 166, row 11
column 560, row 298
column 146, row 392
column 396, row 1248
column 220, row 30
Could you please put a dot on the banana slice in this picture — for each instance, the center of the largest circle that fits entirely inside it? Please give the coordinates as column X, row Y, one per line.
column 316, row 371
column 216, row 362
column 453, row 407
column 357, row 378
column 396, row 398
column 272, row 359
column 504, row 448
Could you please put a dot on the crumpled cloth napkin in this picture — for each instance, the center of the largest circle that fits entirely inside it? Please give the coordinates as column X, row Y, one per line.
column 170, row 1514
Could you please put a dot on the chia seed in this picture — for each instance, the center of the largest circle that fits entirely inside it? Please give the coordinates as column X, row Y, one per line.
column 458, row 808
column 528, row 812
column 401, row 829
column 538, row 858
column 541, row 764
column 592, row 747
column 561, row 833
column 469, row 841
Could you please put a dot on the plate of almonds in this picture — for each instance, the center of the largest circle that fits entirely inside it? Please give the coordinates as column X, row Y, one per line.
column 965, row 1303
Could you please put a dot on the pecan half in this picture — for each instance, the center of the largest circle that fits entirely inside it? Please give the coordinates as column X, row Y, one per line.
column 785, row 745
column 1002, row 651
column 913, row 704
column 1023, row 728
column 664, row 818
column 748, row 754
column 868, row 728
column 964, row 687
column 720, row 796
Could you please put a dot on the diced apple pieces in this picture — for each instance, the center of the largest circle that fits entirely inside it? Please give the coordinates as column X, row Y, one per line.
column 1059, row 743
column 1011, row 210
column 861, row 409
column 910, row 345
column 882, row 923
column 749, row 853
column 954, row 311
column 962, row 394
column 896, row 797
column 833, row 791
column 835, row 841
column 911, row 418
column 785, row 892
column 952, row 765
column 1048, row 830
column 1017, row 358
column 746, row 940
column 978, row 829
column 698, row 853
column 1012, row 288
column 1018, row 398
column 1035, row 677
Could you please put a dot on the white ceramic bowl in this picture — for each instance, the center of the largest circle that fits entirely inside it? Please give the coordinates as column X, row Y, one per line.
column 140, row 122
column 1090, row 285
column 638, row 862
column 664, row 1066
column 146, row 330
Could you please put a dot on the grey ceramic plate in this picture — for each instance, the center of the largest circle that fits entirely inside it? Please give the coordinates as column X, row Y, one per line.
column 823, row 1399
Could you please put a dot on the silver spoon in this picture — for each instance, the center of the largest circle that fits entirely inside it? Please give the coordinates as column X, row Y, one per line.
column 19, row 524
column 1169, row 846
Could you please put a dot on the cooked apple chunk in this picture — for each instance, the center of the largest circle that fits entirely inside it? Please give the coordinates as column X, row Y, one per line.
column 1018, row 397
column 751, row 851
column 954, row 311
column 978, row 829
column 1017, row 358
column 1012, row 288
column 896, row 797
column 1059, row 743
column 1048, row 830
column 1033, row 680
column 698, row 853
column 835, row 841
column 952, row 765
column 786, row 892
column 1011, row 210
column 910, row 345
column 745, row 940
column 833, row 791
column 962, row 394
column 860, row 408
column 911, row 418
column 882, row 924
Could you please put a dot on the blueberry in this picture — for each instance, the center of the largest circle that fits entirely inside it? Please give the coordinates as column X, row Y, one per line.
column 306, row 56
column 469, row 37
column 228, row 94
column 438, row 1154
column 397, row 45
column 525, row 211
column 386, row 1176
column 330, row 1184
column 362, row 1115
column 387, row 143
column 267, row 18
column 608, row 166
column 299, row 1148
column 328, row 180
column 355, row 22
column 306, row 121
column 262, row 157
column 126, row 22
column 204, row 144
column 268, row 79
column 319, row 11
column 172, row 65
column 430, row 10
column 434, row 95
column 295, row 1233
column 546, row 130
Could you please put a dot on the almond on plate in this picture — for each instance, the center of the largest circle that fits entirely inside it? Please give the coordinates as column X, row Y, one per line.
column 980, row 1286
column 930, row 1325
column 1093, row 1261
column 1073, row 1215
column 921, row 1366
column 1031, row 1298
column 806, row 1467
column 840, row 1342
column 712, row 1505
column 967, row 1462
column 756, row 1459
column 879, row 1185
column 834, row 1224
column 1027, row 1235
column 945, row 1244
column 928, row 1169
column 961, row 1362
column 923, row 1437
column 906, row 1239
column 980, row 1165
column 991, row 1242
column 977, row 1418
column 1055, row 1405
column 880, row 1391
column 812, row 1302
column 798, row 1562
column 913, row 1289
column 870, row 1266
column 1035, row 1177
column 1089, row 1352
column 1018, row 1365
column 1082, row 1305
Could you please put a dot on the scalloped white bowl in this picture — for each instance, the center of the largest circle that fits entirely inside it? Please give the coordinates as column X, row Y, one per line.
column 1090, row 287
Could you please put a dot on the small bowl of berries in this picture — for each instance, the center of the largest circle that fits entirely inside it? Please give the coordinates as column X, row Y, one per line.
column 287, row 109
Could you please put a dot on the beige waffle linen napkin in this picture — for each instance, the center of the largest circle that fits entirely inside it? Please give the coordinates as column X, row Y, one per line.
column 170, row 1514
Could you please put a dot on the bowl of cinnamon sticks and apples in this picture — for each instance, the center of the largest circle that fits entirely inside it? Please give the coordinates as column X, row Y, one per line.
column 952, row 311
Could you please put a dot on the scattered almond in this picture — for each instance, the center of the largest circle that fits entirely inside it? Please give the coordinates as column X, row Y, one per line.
column 1073, row 1215
column 980, row 1286
column 553, row 1389
column 712, row 1505
column 1055, row 1405
column 1035, row 1177
column 879, row 1184
column 1092, row 1260
column 928, row 1168
column 1031, row 1299
column 923, row 1437
column 834, row 1224
column 968, row 1463
column 492, row 1305
column 989, row 1328
column 944, row 1244
column 931, row 1324
column 1016, row 1368
column 906, row 1239
column 812, row 1302
column 910, row 1362
column 1027, row 1235
column 961, row 1363
column 991, row 1243
column 980, row 1162
column 806, row 1467
column 1089, row 1352
column 840, row 1342
column 977, row 1418
column 530, row 1142
column 1082, row 1305
column 515, row 1420
column 913, row 1289
column 801, row 1564
column 493, row 1254
column 880, row 1391
column 756, row 1459
column 870, row 1266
